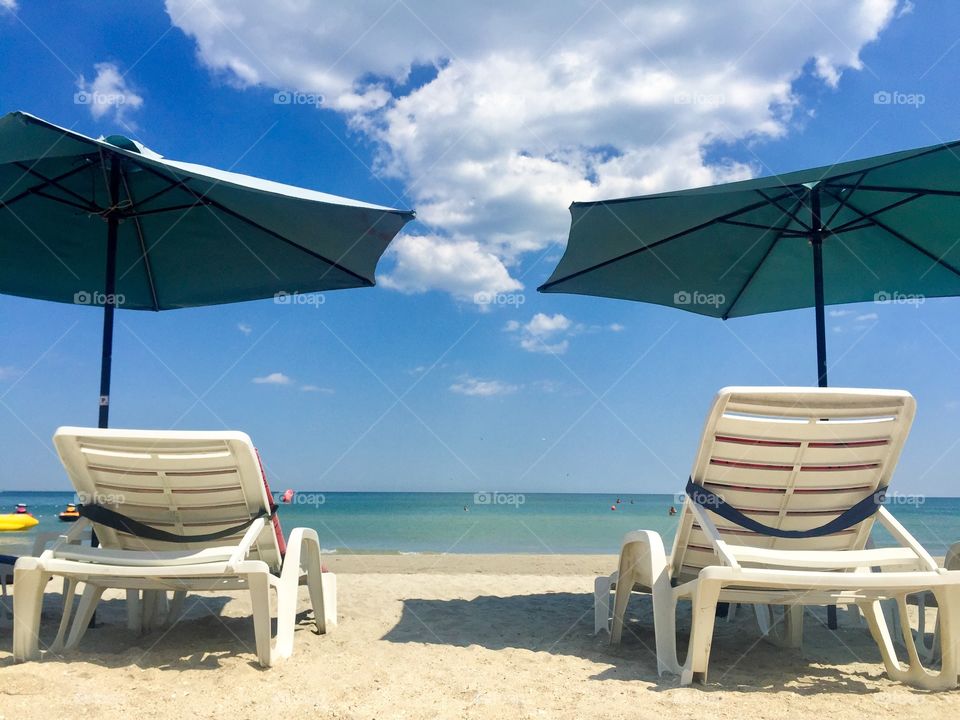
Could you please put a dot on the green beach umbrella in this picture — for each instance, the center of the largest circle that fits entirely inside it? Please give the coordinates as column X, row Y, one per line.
column 884, row 229
column 110, row 223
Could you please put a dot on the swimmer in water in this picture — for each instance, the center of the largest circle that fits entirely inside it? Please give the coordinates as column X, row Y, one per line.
column 672, row 511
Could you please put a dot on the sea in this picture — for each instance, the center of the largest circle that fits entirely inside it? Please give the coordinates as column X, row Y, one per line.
column 451, row 522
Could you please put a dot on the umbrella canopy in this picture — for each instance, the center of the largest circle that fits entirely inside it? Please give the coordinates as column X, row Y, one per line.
column 881, row 229
column 109, row 222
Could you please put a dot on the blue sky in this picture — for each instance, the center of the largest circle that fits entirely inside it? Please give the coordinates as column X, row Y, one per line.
column 489, row 125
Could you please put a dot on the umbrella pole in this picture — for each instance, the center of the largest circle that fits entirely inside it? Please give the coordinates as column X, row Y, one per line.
column 109, row 305
column 816, row 242
column 110, row 292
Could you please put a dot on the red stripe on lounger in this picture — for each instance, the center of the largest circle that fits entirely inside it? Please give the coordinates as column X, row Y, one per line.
column 849, row 443
column 749, row 465
column 839, row 468
column 744, row 488
column 754, row 441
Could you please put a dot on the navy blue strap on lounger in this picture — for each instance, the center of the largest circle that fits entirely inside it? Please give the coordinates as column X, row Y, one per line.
column 112, row 519
column 8, row 559
column 848, row 518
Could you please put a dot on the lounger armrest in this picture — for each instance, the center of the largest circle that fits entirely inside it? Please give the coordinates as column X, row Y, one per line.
column 249, row 538
column 41, row 540
column 71, row 538
column 902, row 535
column 643, row 558
column 723, row 550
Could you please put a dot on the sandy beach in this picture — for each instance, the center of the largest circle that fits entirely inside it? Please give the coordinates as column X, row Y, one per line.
column 468, row 636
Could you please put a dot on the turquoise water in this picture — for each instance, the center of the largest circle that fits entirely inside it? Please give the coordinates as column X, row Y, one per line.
column 437, row 522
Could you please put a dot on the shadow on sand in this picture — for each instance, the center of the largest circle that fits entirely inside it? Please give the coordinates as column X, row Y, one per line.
column 197, row 640
column 562, row 623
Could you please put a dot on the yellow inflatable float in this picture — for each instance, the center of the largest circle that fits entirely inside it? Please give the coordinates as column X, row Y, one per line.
column 17, row 521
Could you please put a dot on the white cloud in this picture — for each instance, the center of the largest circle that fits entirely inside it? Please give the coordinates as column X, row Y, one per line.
column 8, row 372
column 276, row 378
column 474, row 387
column 850, row 321
column 245, row 328
column 317, row 389
column 496, row 115
column 542, row 333
column 461, row 267
column 108, row 91
column 10, row 5
column 550, row 333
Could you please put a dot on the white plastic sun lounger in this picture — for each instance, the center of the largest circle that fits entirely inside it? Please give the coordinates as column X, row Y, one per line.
column 178, row 484
column 791, row 459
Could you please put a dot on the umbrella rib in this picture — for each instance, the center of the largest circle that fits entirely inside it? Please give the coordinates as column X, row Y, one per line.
column 144, row 255
column 854, row 224
column 843, row 200
column 743, row 288
column 791, row 214
column 56, row 183
column 675, row 236
column 36, row 188
column 914, row 190
column 904, row 239
column 233, row 213
column 767, row 228
column 63, row 201
column 928, row 151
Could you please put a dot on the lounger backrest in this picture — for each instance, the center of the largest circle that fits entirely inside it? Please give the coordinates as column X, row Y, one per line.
column 183, row 482
column 793, row 459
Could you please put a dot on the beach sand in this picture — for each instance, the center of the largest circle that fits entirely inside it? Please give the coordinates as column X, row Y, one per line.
column 453, row 636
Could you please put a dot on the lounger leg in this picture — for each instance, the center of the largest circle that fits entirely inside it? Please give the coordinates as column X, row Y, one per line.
column 68, row 594
column 621, row 598
column 322, row 587
column 260, row 600
column 176, row 606
column 88, row 605
column 601, row 603
column 703, row 606
column 29, row 581
column 134, row 611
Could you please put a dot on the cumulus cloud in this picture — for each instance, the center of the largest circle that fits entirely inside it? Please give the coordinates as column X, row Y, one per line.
column 543, row 333
column 461, row 267
column 475, row 387
column 108, row 91
column 495, row 116
column 851, row 321
column 245, row 328
column 275, row 378
column 10, row 5
column 316, row 389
